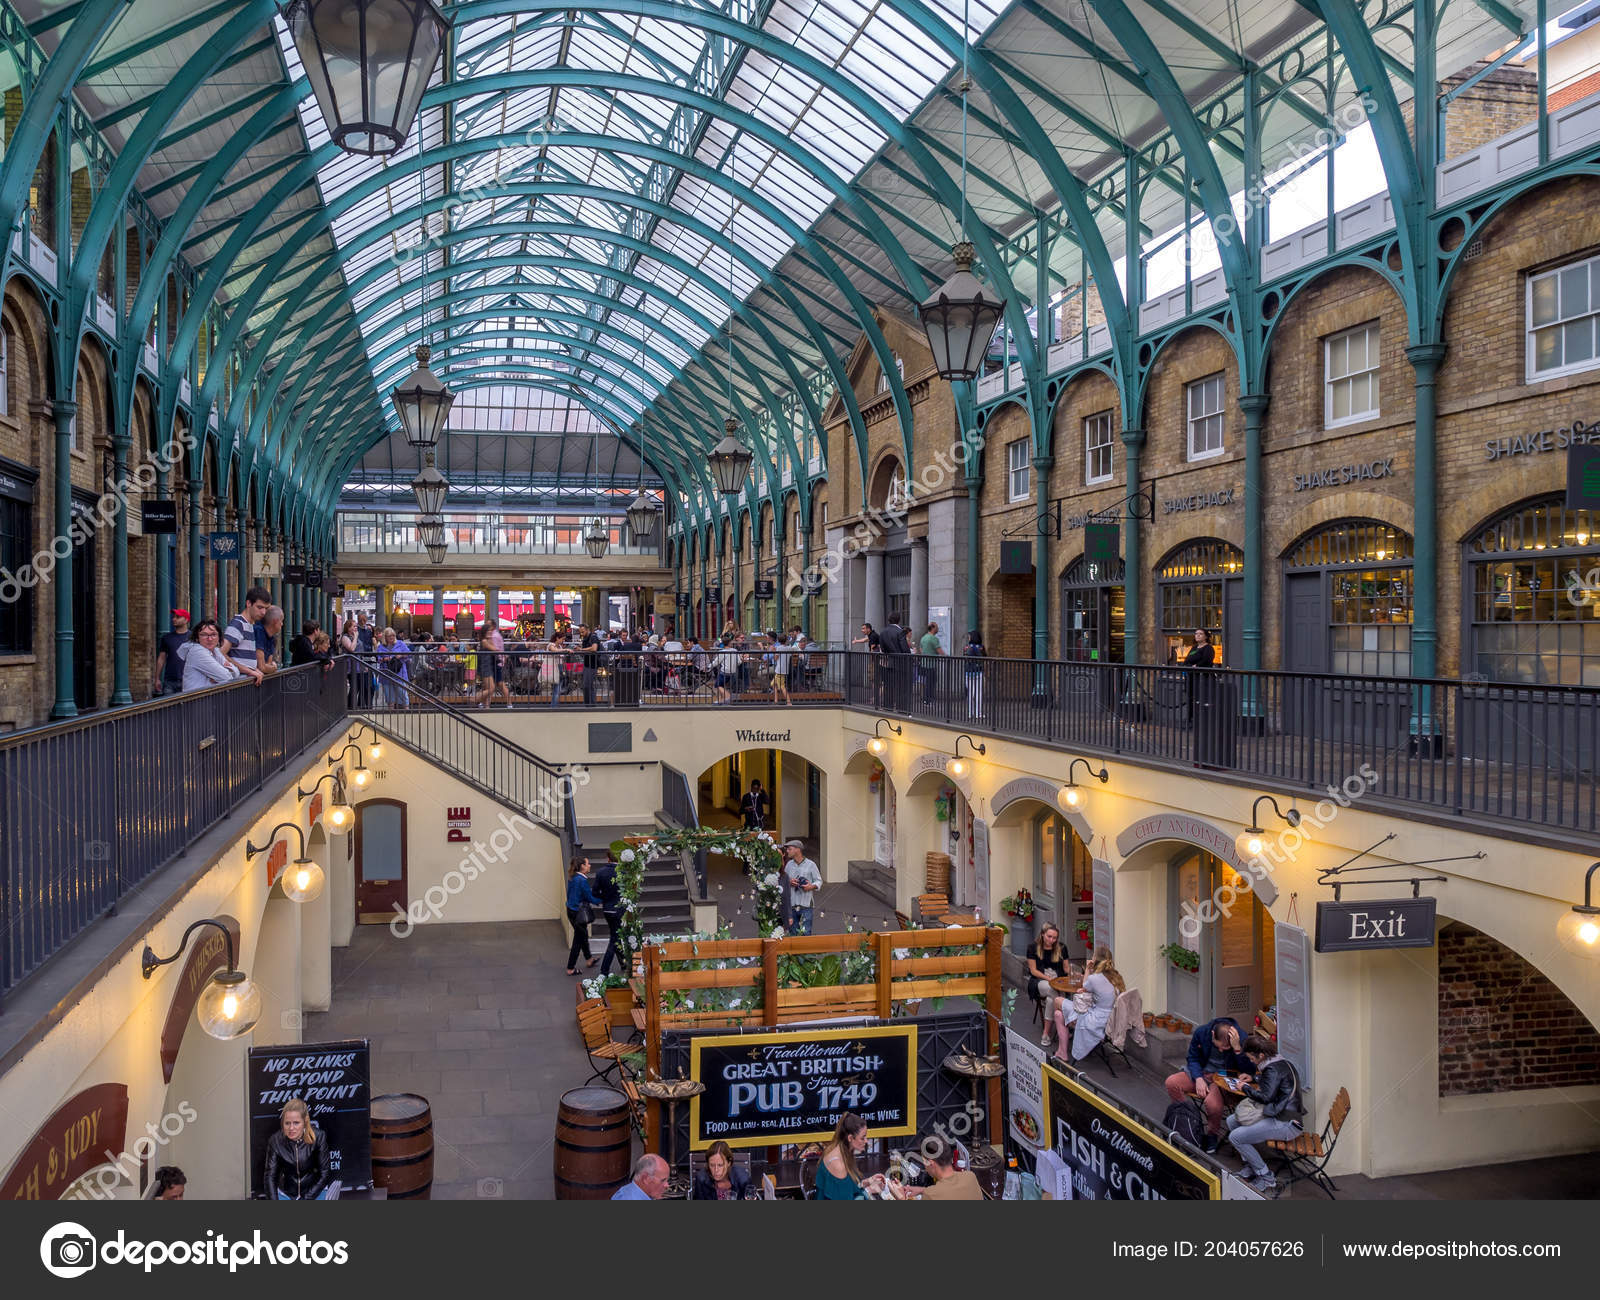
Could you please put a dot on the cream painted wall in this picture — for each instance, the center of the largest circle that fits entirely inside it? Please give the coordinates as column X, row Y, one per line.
column 620, row 794
column 509, row 870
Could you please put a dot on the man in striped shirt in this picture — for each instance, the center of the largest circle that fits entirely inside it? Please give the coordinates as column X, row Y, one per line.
column 239, row 641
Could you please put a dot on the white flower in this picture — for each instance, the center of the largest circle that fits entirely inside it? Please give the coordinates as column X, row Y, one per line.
column 771, row 882
column 900, row 954
column 777, row 932
column 627, row 855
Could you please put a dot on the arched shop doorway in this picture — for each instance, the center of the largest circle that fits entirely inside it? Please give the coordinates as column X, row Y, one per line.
column 1201, row 584
column 1222, row 967
column 948, row 831
column 1092, row 611
column 796, row 790
column 874, row 841
column 1049, row 859
column 1347, row 601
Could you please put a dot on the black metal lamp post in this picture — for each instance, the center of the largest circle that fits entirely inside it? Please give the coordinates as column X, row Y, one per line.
column 369, row 62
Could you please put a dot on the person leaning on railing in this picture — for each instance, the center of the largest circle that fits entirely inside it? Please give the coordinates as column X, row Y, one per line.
column 205, row 665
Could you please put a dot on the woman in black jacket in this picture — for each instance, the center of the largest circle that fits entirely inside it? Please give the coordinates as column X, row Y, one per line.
column 297, row 1157
column 719, row 1179
column 1276, row 1090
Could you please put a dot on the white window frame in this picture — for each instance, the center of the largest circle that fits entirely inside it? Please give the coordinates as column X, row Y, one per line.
column 1093, row 424
column 1531, row 330
column 1373, row 337
column 1019, row 477
column 1200, row 387
column 900, row 369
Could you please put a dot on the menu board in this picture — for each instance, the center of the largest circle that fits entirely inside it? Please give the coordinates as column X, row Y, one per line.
column 770, row 1088
column 1114, row 1157
column 334, row 1080
column 1025, row 1073
column 1292, row 957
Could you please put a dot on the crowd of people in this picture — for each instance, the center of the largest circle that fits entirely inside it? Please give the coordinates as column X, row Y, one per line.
column 248, row 648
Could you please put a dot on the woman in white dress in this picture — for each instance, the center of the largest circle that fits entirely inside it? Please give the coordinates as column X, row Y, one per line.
column 1090, row 1009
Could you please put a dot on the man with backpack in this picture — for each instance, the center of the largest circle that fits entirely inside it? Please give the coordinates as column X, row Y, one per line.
column 1215, row 1047
column 610, row 896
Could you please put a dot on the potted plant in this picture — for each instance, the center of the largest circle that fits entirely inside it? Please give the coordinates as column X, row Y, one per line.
column 1019, row 907
column 1185, row 959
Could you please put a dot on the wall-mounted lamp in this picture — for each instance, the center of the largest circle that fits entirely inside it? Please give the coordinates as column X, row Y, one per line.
column 338, row 816
column 1252, row 839
column 230, row 1003
column 375, row 748
column 878, row 746
column 361, row 777
column 1073, row 796
column 957, row 766
column 1579, row 928
column 302, row 879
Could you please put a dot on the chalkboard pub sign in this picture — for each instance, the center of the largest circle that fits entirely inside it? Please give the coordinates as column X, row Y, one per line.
column 765, row 1089
column 334, row 1079
column 1112, row 1156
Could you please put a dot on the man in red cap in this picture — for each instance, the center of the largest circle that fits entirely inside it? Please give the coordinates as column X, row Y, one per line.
column 169, row 660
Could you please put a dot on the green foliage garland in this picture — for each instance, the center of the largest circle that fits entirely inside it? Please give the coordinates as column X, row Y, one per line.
column 762, row 858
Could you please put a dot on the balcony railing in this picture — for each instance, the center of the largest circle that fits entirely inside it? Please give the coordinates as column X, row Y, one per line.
column 91, row 808
column 476, row 534
column 1517, row 752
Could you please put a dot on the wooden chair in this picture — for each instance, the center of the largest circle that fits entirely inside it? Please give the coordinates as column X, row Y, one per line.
column 594, row 1022
column 902, row 920
column 1306, row 1155
column 932, row 907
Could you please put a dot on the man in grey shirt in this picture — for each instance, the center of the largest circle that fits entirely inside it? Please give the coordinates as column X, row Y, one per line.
column 804, row 880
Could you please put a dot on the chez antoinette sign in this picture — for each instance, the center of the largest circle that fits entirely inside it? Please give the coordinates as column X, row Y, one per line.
column 793, row 1086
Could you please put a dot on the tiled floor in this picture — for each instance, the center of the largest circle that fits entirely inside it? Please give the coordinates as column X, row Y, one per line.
column 479, row 1020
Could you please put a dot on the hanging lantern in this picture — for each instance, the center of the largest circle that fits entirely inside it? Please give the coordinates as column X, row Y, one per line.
column 597, row 539
column 369, row 62
column 960, row 319
column 430, row 487
column 423, row 403
column 730, row 461
column 430, row 530
column 642, row 512
column 436, row 553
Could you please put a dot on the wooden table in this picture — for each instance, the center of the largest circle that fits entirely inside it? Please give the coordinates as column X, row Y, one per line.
column 960, row 918
column 1066, row 984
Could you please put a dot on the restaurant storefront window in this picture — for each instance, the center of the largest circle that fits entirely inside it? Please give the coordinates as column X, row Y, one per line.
column 1347, row 600
column 1200, row 585
column 1535, row 596
column 1092, row 611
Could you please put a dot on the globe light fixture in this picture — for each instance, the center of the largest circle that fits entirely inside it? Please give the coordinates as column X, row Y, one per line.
column 361, row 774
column 957, row 766
column 1073, row 797
column 1579, row 927
column 730, row 461
column 878, row 746
column 1252, row 840
column 423, row 403
column 230, row 1003
column 303, row 879
column 369, row 62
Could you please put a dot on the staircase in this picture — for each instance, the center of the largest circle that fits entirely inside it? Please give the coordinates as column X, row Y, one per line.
column 459, row 744
column 873, row 878
column 663, row 900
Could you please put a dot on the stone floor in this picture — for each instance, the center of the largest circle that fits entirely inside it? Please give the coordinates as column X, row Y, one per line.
column 479, row 1020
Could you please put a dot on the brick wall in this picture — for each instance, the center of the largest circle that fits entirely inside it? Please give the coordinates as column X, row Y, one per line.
column 1503, row 1026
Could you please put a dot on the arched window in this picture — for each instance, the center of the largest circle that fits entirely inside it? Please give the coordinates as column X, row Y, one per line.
column 1092, row 611
column 1194, row 585
column 1535, row 595
column 1347, row 600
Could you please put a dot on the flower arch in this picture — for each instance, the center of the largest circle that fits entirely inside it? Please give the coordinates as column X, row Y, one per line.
column 759, row 852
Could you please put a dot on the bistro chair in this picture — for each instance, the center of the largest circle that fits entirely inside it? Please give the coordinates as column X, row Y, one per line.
column 1306, row 1155
column 594, row 1022
column 932, row 907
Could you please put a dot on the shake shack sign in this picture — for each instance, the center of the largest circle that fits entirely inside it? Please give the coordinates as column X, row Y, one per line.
column 1341, row 475
column 1200, row 501
column 793, row 1087
column 1375, row 923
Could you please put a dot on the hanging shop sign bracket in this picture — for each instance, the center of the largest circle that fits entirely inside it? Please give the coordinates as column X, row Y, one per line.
column 1327, row 875
column 1140, row 504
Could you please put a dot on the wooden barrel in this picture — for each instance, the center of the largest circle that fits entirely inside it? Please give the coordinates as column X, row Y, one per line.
column 594, row 1142
column 402, row 1146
